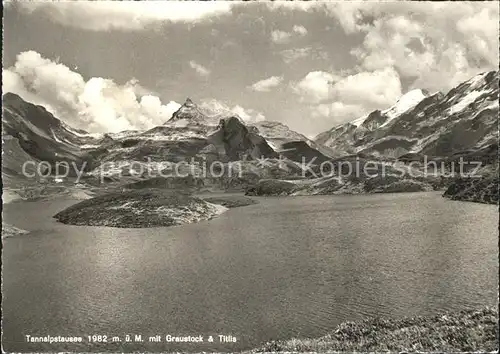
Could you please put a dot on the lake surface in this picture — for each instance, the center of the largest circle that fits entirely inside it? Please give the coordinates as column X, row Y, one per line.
column 287, row 267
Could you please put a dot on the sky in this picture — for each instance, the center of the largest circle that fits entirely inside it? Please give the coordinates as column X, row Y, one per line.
column 107, row 66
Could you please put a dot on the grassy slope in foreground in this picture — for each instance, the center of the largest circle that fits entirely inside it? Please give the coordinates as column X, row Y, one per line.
column 465, row 331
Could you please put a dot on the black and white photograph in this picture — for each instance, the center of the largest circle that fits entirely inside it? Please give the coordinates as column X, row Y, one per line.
column 250, row 177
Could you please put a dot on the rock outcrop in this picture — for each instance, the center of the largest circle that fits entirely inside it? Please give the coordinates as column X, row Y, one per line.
column 480, row 189
column 233, row 141
column 138, row 209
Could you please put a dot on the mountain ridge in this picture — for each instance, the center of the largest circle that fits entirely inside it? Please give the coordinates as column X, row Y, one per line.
column 425, row 125
column 461, row 124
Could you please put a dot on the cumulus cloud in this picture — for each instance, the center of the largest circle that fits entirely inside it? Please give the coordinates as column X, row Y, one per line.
column 438, row 45
column 124, row 15
column 337, row 112
column 96, row 105
column 280, row 37
column 293, row 54
column 377, row 89
column 314, row 87
column 248, row 115
column 200, row 69
column 292, row 5
column 283, row 37
column 347, row 97
column 300, row 30
column 433, row 46
column 267, row 84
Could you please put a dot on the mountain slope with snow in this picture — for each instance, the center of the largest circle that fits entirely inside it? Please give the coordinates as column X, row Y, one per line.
column 42, row 136
column 437, row 125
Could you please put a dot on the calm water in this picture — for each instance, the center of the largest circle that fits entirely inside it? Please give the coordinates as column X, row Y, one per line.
column 284, row 268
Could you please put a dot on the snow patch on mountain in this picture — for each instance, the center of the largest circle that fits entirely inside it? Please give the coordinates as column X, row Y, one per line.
column 60, row 140
column 89, row 146
column 277, row 133
column 55, row 137
column 404, row 104
column 477, row 81
column 465, row 101
column 124, row 134
column 181, row 123
column 172, row 136
column 423, row 142
column 273, row 146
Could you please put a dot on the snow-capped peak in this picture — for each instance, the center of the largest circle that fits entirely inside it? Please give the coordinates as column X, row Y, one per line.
column 213, row 108
column 192, row 113
column 405, row 103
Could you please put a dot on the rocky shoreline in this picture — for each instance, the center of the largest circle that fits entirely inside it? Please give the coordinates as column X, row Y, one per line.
column 353, row 185
column 464, row 331
column 12, row 231
column 479, row 190
column 155, row 207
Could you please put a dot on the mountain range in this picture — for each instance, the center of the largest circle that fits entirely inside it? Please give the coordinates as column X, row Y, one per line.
column 441, row 127
column 466, row 118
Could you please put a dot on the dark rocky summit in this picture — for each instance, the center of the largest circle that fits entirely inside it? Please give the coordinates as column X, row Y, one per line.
column 234, row 141
column 302, row 152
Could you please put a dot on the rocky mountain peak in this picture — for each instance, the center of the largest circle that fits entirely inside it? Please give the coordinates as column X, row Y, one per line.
column 189, row 112
column 21, row 113
column 425, row 92
column 189, row 103
column 206, row 114
column 8, row 96
column 406, row 102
